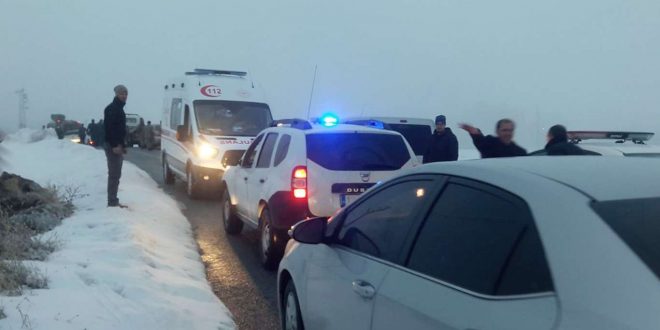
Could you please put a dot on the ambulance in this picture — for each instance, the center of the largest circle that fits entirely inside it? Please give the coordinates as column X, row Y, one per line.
column 210, row 117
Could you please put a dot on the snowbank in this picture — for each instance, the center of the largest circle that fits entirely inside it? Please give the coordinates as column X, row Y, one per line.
column 135, row 268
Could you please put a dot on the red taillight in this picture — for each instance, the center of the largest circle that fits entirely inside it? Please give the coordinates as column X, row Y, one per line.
column 299, row 182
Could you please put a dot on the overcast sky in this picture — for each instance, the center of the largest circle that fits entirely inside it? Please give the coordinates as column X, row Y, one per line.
column 591, row 64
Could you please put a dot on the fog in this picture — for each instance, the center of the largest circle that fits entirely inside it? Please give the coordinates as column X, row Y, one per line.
column 592, row 64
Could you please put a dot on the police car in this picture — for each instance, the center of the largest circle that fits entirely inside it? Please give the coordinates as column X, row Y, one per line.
column 296, row 170
column 628, row 144
column 610, row 143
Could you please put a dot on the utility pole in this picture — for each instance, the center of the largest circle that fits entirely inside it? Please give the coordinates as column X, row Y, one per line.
column 22, row 108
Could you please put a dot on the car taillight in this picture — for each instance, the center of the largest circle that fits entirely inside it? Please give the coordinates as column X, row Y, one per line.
column 299, row 182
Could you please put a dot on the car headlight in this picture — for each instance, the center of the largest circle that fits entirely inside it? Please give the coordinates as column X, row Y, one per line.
column 206, row 151
column 75, row 140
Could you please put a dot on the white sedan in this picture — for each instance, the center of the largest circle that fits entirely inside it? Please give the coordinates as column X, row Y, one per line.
column 526, row 243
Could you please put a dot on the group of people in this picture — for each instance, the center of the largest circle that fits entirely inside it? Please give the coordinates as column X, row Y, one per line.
column 443, row 144
column 95, row 132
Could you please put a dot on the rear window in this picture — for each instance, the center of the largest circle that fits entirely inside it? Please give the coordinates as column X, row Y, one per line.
column 417, row 135
column 637, row 222
column 357, row 151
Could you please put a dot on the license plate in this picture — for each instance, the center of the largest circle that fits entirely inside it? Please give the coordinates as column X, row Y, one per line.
column 351, row 188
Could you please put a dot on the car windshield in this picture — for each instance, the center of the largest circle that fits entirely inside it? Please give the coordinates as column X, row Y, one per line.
column 637, row 222
column 357, row 151
column 130, row 120
column 416, row 135
column 231, row 118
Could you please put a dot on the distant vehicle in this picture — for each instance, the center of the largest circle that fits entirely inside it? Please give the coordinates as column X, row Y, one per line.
column 209, row 118
column 298, row 170
column 526, row 243
column 150, row 141
column 417, row 131
column 65, row 129
column 606, row 143
column 133, row 129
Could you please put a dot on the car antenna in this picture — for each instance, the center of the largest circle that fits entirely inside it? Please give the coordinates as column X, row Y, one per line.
column 311, row 93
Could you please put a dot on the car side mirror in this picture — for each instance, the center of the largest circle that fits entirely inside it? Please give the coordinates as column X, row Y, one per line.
column 310, row 231
column 181, row 133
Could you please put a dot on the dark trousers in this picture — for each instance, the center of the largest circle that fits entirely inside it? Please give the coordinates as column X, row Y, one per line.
column 114, row 174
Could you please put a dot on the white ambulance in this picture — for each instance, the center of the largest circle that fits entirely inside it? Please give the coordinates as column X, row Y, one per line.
column 209, row 118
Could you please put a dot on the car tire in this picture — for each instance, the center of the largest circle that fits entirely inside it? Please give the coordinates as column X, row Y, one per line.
column 270, row 249
column 168, row 175
column 192, row 188
column 291, row 316
column 231, row 223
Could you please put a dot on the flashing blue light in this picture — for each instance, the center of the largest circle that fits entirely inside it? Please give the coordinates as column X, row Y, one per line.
column 329, row 119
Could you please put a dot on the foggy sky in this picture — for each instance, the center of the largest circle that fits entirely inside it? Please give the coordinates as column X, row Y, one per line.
column 592, row 64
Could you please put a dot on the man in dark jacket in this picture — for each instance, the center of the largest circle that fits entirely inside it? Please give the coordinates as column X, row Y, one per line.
column 558, row 144
column 443, row 145
column 91, row 131
column 496, row 147
column 115, row 132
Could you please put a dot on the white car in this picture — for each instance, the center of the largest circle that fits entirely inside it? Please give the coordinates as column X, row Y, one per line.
column 527, row 243
column 298, row 170
column 621, row 144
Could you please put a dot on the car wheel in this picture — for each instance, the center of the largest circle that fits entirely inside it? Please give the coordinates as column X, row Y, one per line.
column 168, row 175
column 231, row 223
column 192, row 187
column 270, row 251
column 291, row 316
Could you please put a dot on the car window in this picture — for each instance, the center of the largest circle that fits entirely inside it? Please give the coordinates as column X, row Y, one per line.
column 175, row 113
column 637, row 222
column 282, row 149
column 380, row 225
column 266, row 153
column 418, row 136
column 357, row 151
column 251, row 152
column 484, row 240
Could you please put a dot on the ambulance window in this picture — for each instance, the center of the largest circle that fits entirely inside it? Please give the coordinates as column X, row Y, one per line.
column 266, row 153
column 175, row 113
column 282, row 149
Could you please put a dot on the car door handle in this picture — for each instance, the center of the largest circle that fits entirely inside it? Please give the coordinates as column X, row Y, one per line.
column 262, row 180
column 364, row 289
column 245, row 178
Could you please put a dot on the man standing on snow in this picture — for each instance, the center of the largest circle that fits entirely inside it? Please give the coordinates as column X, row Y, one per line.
column 443, row 145
column 114, row 122
column 496, row 147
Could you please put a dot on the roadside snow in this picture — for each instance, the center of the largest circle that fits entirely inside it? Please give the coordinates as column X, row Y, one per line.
column 135, row 268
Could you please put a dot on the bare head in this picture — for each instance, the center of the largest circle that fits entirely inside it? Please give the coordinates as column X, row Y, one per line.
column 121, row 92
column 505, row 130
column 558, row 133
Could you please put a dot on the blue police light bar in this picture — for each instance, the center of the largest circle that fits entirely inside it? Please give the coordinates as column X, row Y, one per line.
column 328, row 120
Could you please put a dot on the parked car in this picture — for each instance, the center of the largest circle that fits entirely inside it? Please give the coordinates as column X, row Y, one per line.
column 298, row 170
column 209, row 118
column 527, row 243
column 622, row 144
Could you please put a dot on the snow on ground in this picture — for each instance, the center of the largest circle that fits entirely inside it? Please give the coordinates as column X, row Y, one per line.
column 135, row 268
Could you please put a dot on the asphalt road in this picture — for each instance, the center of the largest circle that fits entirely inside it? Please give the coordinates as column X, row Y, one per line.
column 232, row 264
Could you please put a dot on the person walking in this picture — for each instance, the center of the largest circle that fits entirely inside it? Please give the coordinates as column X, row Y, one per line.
column 148, row 136
column 91, row 132
column 558, row 144
column 443, row 145
column 114, row 121
column 498, row 146
column 100, row 134
column 81, row 134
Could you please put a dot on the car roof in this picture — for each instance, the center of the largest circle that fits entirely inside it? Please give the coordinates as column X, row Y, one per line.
column 601, row 178
column 611, row 148
column 341, row 128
